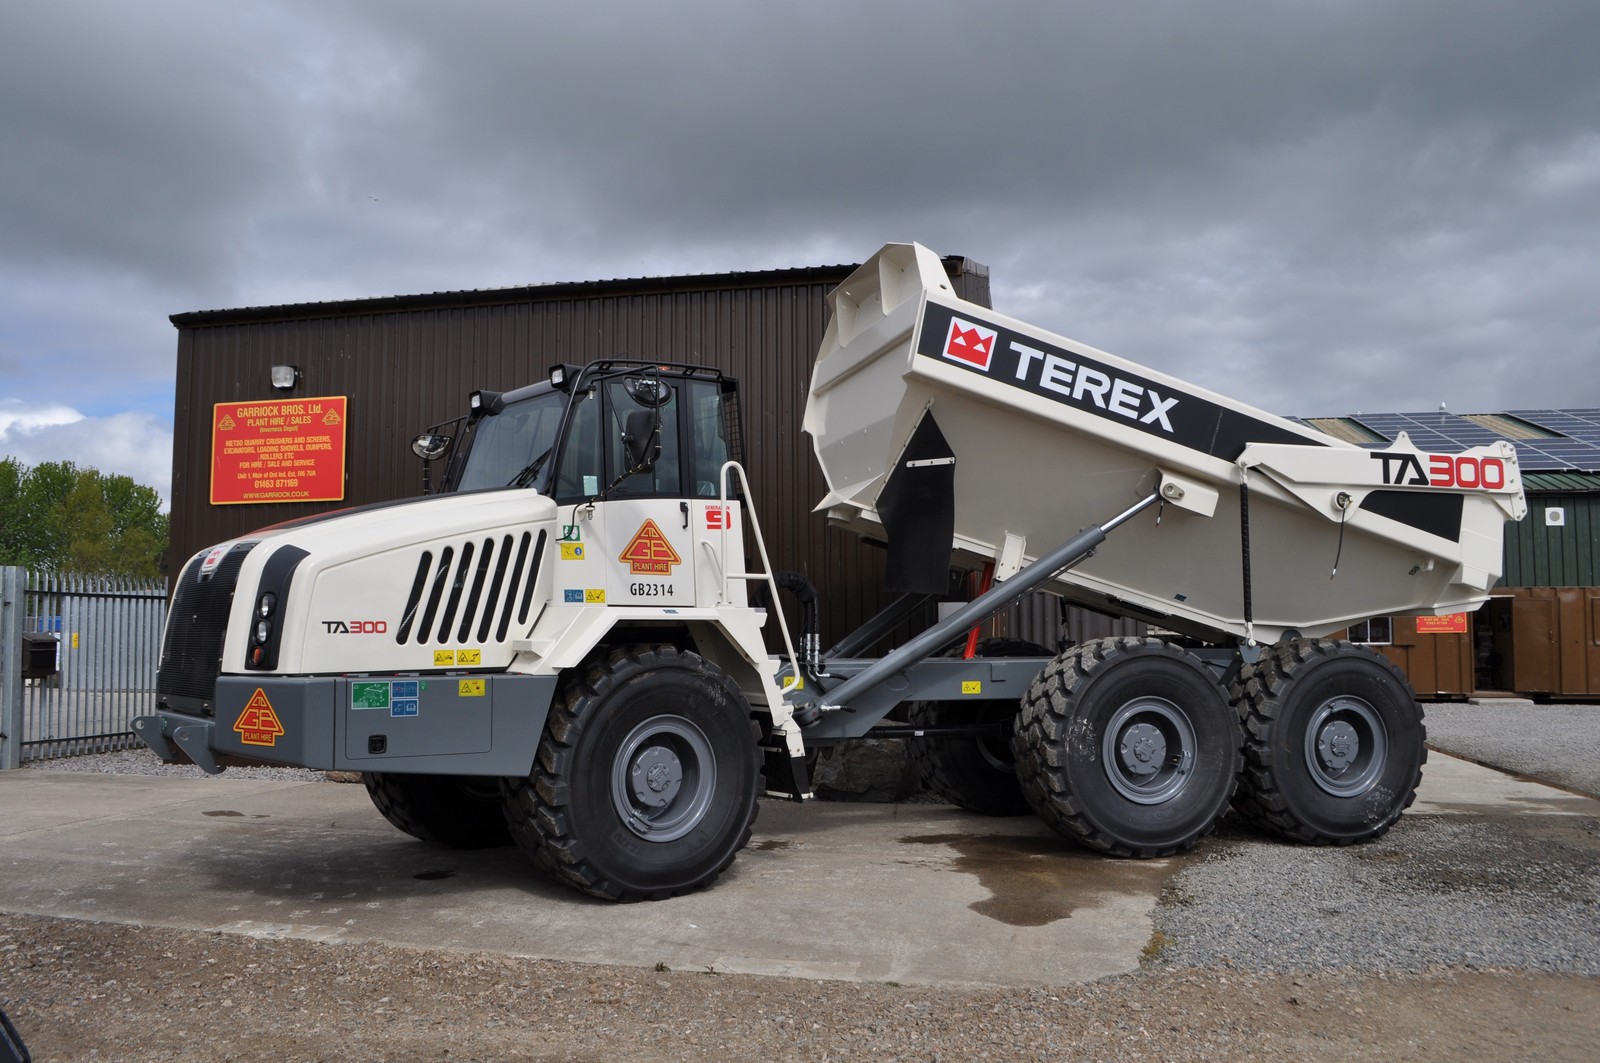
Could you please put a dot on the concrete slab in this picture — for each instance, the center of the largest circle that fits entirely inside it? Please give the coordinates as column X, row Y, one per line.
column 1454, row 785
column 917, row 894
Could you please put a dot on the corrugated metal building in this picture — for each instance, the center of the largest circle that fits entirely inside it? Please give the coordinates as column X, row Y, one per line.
column 1558, row 543
column 406, row 362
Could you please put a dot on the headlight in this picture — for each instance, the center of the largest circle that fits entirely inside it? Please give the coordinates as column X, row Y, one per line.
column 266, row 605
column 263, row 630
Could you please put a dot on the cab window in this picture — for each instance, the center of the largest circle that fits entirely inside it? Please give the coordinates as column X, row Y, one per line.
column 642, row 393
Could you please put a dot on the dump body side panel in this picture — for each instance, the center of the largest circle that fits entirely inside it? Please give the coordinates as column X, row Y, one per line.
column 1050, row 435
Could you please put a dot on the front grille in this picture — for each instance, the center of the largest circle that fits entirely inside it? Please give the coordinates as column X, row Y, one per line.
column 191, row 655
column 470, row 592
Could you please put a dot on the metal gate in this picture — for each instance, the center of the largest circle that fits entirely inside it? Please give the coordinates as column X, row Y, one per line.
column 78, row 657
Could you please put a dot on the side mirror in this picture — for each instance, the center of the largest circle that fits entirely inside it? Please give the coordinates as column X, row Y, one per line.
column 641, row 435
column 430, row 447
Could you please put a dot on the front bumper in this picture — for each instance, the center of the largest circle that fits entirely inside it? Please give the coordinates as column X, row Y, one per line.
column 437, row 724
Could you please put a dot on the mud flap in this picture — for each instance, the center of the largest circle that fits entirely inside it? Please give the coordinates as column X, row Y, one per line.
column 787, row 776
column 918, row 508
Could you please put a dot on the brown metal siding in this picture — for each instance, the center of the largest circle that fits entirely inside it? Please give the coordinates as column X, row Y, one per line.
column 1437, row 664
column 1547, row 640
column 408, row 362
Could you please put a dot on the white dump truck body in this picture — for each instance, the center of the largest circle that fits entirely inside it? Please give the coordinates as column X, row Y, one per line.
column 1050, row 435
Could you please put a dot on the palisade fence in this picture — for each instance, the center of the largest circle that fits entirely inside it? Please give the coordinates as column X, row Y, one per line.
column 107, row 643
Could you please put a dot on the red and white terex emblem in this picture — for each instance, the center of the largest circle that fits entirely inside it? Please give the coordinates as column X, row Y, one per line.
column 969, row 343
column 649, row 553
column 208, row 567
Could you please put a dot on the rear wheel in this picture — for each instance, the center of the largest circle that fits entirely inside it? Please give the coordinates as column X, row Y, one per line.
column 977, row 774
column 646, row 780
column 459, row 811
column 1128, row 746
column 1334, row 742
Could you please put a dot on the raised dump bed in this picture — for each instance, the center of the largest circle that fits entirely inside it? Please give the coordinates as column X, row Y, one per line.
column 937, row 419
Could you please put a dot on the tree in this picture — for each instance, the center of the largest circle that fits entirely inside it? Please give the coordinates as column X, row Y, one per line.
column 59, row 517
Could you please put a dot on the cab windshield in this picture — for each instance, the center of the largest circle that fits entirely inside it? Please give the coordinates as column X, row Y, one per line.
column 513, row 447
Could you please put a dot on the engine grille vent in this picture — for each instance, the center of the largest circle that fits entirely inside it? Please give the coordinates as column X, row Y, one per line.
column 470, row 592
column 191, row 654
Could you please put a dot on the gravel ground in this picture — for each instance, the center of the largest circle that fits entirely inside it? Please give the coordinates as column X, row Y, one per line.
column 1558, row 744
column 82, row 991
column 1462, row 936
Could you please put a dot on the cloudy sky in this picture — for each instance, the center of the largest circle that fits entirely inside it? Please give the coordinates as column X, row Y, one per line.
column 1319, row 206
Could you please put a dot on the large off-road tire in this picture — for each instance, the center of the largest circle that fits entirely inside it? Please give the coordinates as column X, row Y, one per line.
column 459, row 811
column 977, row 774
column 1334, row 742
column 1128, row 746
column 646, row 779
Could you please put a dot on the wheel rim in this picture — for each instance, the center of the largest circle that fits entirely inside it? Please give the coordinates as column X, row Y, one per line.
column 663, row 778
column 1346, row 746
column 1148, row 750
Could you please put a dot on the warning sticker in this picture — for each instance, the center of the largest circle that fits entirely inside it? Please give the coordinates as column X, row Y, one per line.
column 649, row 553
column 1448, row 624
column 595, row 596
column 572, row 551
column 471, row 688
column 258, row 725
column 469, row 657
column 444, row 658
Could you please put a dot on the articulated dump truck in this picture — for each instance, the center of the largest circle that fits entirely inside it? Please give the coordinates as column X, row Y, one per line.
column 560, row 647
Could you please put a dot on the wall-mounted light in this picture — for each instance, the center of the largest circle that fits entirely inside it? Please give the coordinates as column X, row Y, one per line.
column 285, row 376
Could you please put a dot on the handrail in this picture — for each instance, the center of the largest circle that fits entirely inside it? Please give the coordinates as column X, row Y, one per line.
column 793, row 682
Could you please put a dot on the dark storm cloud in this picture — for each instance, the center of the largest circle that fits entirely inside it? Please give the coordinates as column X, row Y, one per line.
column 1316, row 206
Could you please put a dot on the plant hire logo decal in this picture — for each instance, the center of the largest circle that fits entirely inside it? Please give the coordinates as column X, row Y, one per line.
column 649, row 553
column 258, row 725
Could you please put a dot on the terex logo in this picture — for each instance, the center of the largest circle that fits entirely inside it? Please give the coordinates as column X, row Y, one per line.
column 969, row 343
column 355, row 627
column 1075, row 382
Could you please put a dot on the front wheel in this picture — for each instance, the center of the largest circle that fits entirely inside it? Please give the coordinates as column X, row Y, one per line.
column 1334, row 742
column 458, row 811
column 1128, row 746
column 646, row 780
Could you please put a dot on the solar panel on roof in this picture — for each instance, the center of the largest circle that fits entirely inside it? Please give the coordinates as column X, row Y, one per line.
column 1576, row 446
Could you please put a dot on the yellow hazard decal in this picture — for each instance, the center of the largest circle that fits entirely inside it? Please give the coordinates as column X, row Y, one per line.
column 649, row 553
column 594, row 596
column 444, row 658
column 572, row 551
column 465, row 657
column 971, row 686
column 471, row 688
column 258, row 725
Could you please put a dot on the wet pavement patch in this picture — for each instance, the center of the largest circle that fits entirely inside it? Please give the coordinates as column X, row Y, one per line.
column 772, row 845
column 433, row 876
column 1035, row 881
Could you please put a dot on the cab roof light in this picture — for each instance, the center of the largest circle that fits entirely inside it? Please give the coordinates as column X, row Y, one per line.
column 483, row 403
